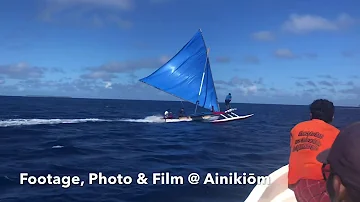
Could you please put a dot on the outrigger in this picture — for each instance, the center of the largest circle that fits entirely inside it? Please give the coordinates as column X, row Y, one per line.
column 188, row 76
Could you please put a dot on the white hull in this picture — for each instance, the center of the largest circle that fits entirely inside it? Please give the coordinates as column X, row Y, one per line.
column 237, row 117
column 229, row 115
column 276, row 191
column 206, row 118
column 177, row 120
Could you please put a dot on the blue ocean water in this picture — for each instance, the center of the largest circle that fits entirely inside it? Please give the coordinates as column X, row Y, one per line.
column 63, row 136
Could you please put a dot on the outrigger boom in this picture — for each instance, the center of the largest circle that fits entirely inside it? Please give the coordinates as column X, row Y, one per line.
column 229, row 115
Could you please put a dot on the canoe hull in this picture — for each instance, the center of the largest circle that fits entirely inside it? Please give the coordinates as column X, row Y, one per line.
column 218, row 117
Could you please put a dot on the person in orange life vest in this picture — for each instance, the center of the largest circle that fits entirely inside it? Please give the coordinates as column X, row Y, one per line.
column 307, row 140
column 341, row 165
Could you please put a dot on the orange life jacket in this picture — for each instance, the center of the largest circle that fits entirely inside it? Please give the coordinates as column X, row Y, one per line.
column 307, row 140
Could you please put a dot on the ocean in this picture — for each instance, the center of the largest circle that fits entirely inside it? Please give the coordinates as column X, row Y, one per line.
column 75, row 137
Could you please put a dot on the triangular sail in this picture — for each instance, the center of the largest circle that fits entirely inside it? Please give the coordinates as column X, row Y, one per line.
column 182, row 75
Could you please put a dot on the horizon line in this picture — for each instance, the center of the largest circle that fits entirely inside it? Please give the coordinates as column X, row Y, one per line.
column 129, row 99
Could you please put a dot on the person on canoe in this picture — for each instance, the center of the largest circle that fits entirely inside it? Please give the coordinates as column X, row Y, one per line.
column 168, row 114
column 182, row 113
column 341, row 165
column 307, row 140
column 227, row 101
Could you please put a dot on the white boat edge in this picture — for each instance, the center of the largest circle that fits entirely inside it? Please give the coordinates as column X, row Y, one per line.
column 276, row 191
column 228, row 116
column 237, row 117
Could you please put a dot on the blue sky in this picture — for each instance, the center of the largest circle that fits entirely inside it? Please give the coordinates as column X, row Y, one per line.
column 280, row 51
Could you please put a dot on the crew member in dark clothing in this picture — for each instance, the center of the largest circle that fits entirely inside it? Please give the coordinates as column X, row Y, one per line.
column 227, row 101
column 182, row 113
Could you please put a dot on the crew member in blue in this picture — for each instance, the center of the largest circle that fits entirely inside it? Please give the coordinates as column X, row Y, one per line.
column 227, row 101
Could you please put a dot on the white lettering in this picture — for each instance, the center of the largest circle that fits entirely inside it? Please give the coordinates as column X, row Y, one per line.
column 251, row 179
column 23, row 177
column 166, row 178
column 64, row 181
column 234, row 178
column 99, row 178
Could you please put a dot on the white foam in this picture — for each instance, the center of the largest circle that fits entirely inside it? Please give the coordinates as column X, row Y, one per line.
column 21, row 122
column 57, row 147
column 29, row 122
column 148, row 119
column 154, row 119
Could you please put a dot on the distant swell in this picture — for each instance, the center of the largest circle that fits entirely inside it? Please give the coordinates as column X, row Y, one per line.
column 29, row 122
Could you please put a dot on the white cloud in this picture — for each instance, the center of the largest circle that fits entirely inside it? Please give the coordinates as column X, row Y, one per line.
column 159, row 1
column 251, row 59
column 249, row 90
column 25, row 71
column 108, row 85
column 164, row 59
column 243, row 85
column 120, row 4
column 310, row 23
column 99, row 74
column 284, row 53
column 94, row 12
column 110, row 70
column 263, row 36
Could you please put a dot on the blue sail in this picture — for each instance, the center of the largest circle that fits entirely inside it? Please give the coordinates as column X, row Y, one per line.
column 182, row 75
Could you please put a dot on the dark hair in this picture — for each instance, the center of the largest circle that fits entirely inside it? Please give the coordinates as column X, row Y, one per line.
column 322, row 109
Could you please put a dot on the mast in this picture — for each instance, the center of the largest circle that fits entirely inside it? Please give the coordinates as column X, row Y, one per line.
column 208, row 61
column 213, row 83
column 203, row 75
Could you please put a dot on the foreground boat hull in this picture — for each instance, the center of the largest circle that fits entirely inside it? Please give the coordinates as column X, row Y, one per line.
column 276, row 191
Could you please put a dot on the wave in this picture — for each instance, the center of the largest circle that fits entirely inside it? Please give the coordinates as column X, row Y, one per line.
column 29, row 122
column 148, row 119
column 155, row 119
column 57, row 147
